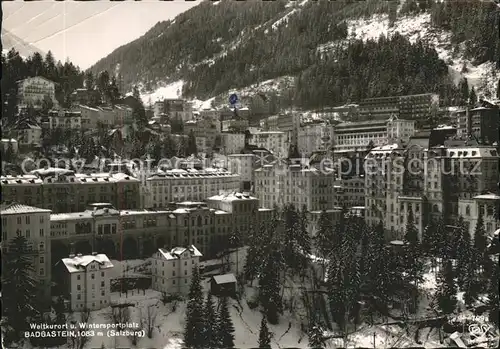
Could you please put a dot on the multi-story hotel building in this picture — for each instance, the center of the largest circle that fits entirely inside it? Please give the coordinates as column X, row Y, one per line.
column 62, row 190
column 480, row 123
column 127, row 234
column 178, row 185
column 33, row 223
column 350, row 192
column 232, row 143
column 438, row 180
column 350, row 137
column 65, row 119
column 411, row 107
column 485, row 205
column 242, row 208
column 174, row 108
column 33, row 91
column 86, row 282
column 314, row 137
column 274, row 141
column 283, row 183
column 205, row 128
column 172, row 270
column 244, row 166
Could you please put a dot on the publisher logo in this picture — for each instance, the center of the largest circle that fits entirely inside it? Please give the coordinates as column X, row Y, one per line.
column 478, row 330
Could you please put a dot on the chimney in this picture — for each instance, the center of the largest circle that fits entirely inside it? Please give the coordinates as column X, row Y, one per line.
column 79, row 255
column 94, row 253
column 71, row 255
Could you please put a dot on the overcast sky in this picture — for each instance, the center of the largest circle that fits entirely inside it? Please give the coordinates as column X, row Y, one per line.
column 86, row 31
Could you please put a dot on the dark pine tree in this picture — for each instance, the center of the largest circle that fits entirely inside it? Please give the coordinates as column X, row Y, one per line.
column 464, row 253
column 493, row 297
column 195, row 323
column 19, row 290
column 211, row 325
column 264, row 335
column 446, row 290
column 226, row 328
column 316, row 339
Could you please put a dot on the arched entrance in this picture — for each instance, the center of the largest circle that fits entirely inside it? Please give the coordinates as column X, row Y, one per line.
column 107, row 247
column 83, row 247
column 148, row 247
column 160, row 242
column 129, row 249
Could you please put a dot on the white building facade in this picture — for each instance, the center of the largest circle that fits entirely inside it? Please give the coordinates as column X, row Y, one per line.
column 88, row 281
column 33, row 90
column 32, row 223
column 172, row 270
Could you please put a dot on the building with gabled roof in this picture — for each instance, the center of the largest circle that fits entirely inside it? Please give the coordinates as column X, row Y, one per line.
column 173, row 269
column 86, row 281
column 33, row 224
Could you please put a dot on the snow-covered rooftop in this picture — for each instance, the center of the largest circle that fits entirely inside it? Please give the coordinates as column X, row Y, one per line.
column 79, row 263
column 176, row 252
column 232, row 197
column 15, row 208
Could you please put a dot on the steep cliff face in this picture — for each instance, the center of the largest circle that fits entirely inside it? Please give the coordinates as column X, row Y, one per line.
column 315, row 53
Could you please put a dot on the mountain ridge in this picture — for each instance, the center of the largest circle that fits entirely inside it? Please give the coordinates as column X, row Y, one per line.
column 224, row 46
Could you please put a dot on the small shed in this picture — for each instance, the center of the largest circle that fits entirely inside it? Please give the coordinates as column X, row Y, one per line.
column 223, row 285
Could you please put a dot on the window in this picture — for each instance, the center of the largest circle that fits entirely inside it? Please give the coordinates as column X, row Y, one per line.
column 185, row 263
column 78, row 287
column 92, row 276
column 102, row 283
column 102, row 274
column 28, row 234
column 78, row 296
column 42, row 272
column 42, row 246
column 173, row 273
column 93, row 286
column 19, row 220
column 173, row 282
column 185, row 281
column 41, row 233
column 185, row 272
column 27, row 220
column 42, row 260
column 78, row 277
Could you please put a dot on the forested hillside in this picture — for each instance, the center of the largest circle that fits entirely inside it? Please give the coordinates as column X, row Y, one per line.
column 230, row 45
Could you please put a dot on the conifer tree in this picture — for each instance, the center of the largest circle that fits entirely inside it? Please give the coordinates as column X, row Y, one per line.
column 411, row 235
column 211, row 324
column 264, row 335
column 270, row 287
column 464, row 253
column 19, row 290
column 447, row 291
column 480, row 240
column 493, row 297
column 194, row 334
column 226, row 328
column 323, row 241
column 315, row 336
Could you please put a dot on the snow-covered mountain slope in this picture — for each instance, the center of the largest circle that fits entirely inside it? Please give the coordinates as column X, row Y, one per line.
column 483, row 78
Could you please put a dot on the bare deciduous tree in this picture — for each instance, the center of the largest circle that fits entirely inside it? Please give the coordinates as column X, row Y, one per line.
column 149, row 320
column 120, row 315
column 80, row 341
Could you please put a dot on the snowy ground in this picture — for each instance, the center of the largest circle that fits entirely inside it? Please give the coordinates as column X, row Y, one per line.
column 482, row 77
